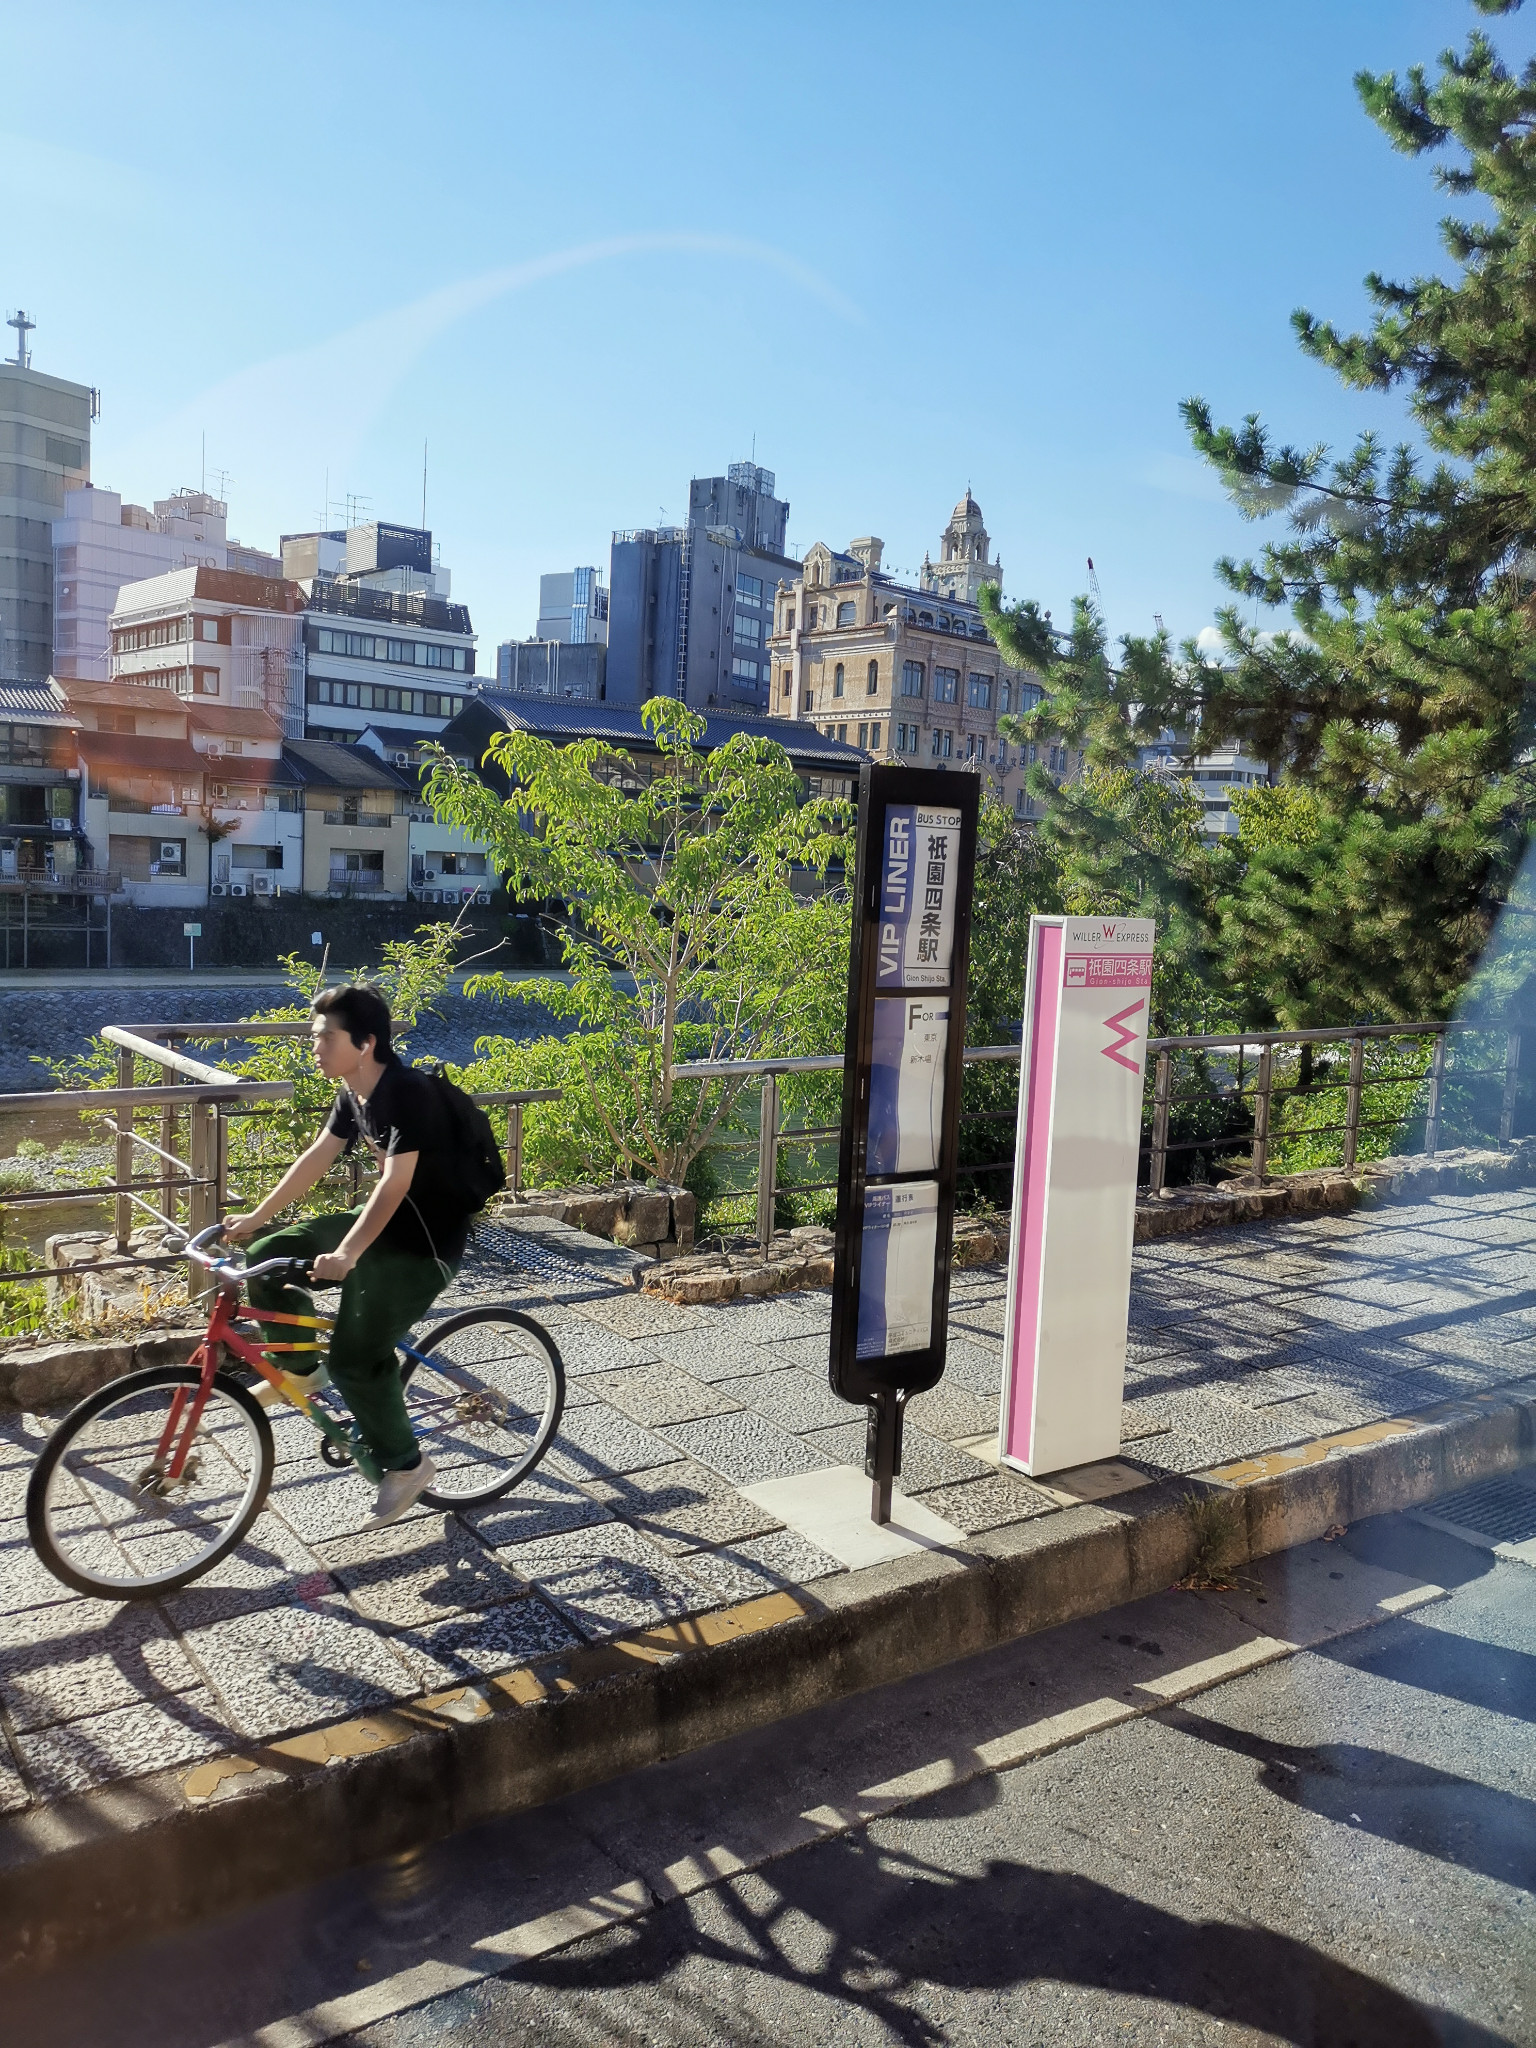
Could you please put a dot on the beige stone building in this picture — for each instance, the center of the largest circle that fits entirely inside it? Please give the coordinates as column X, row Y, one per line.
column 908, row 674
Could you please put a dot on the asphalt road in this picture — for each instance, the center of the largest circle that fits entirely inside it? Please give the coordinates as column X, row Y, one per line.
column 1336, row 1848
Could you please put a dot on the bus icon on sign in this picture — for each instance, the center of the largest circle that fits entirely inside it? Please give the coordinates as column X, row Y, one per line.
column 1077, row 970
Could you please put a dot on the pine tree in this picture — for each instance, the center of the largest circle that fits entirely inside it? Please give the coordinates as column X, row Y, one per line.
column 1404, row 700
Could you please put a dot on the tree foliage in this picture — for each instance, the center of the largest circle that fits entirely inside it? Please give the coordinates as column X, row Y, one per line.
column 1398, row 708
column 704, row 919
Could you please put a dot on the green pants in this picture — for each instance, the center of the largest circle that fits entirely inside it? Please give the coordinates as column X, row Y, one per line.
column 383, row 1295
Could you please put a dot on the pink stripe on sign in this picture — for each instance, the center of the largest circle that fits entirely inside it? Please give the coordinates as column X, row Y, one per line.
column 1030, row 1259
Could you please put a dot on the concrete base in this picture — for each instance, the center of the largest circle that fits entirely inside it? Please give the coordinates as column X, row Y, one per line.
column 831, row 1509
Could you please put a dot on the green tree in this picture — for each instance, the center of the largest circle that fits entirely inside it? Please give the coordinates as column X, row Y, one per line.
column 705, row 918
column 1401, row 700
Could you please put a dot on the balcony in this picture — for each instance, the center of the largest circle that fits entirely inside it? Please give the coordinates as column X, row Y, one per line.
column 374, row 819
column 355, row 882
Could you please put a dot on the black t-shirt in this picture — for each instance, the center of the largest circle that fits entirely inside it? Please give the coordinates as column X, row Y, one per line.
column 405, row 1113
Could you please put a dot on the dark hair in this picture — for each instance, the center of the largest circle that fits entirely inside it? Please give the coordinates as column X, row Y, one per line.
column 360, row 1011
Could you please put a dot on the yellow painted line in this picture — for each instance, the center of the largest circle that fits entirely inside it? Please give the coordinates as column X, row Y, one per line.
column 1416, row 1596
column 1272, row 1463
column 1200, row 1677
column 570, row 1923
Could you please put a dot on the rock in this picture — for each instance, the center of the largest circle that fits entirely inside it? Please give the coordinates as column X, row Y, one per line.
column 646, row 1220
column 596, row 1214
column 45, row 1373
column 685, row 1212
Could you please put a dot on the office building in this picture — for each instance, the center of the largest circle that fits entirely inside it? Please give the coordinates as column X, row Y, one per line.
column 217, row 636
column 45, row 450
column 690, row 606
column 100, row 544
column 573, row 608
column 905, row 674
column 553, row 668
column 382, row 639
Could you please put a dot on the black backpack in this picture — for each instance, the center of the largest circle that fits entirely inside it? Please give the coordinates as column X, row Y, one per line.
column 478, row 1165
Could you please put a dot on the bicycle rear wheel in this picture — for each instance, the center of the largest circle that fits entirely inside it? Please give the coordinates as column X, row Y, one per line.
column 106, row 1521
column 485, row 1399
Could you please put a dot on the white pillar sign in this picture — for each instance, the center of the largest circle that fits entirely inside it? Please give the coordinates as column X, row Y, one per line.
column 1086, row 999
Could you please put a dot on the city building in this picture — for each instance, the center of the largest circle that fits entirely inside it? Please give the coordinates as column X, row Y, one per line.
column 573, row 607
column 45, row 450
column 217, row 635
column 553, row 668
column 357, row 819
column 382, row 638
column 1214, row 773
column 691, row 606
column 144, row 790
column 42, row 824
column 904, row 674
column 100, row 544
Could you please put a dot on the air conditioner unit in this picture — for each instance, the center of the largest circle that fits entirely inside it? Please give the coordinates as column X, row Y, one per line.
column 219, row 889
column 237, row 889
column 218, row 790
column 170, row 852
column 434, row 895
column 262, row 884
column 482, row 895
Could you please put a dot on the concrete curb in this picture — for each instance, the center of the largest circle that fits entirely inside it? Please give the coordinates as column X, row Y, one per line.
column 139, row 1857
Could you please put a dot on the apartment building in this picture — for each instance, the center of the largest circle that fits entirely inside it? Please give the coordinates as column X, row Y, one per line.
column 382, row 638
column 356, row 819
column 907, row 673
column 42, row 825
column 219, row 636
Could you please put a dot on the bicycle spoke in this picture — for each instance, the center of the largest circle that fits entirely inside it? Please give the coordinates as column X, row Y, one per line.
column 484, row 1401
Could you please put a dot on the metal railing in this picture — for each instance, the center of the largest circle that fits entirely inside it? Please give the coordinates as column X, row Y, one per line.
column 190, row 1136
column 1243, row 1078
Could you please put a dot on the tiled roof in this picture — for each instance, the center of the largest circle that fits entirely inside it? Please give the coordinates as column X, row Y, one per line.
column 134, row 750
column 398, row 737
column 562, row 719
column 236, row 721
column 326, row 765
column 38, row 703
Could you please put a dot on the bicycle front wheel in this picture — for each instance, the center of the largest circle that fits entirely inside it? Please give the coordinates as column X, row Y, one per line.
column 485, row 1398
column 104, row 1515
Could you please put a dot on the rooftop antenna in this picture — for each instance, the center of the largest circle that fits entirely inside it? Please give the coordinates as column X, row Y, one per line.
column 423, row 483
column 23, row 326
column 223, row 480
column 1157, row 620
column 202, row 480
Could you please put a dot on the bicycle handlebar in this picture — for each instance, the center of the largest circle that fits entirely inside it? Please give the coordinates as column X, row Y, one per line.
column 226, row 1270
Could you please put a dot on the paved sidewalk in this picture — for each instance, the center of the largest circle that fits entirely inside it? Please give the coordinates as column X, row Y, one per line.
column 1242, row 1342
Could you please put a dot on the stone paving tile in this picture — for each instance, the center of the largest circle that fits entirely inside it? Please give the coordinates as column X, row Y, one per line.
column 989, row 1502
column 541, row 1505
column 974, row 1365
column 773, row 1316
column 75, row 1658
column 25, row 1581
column 745, row 1447
column 795, row 1399
column 125, row 1742
column 608, row 1579
column 715, row 1352
column 588, row 1347
column 642, row 1315
column 683, row 1506
column 13, row 1791
column 295, row 1667
column 595, row 1441
column 653, row 1394
column 473, row 1646
column 415, row 1573
column 809, row 1353
column 270, row 1568
column 925, row 1463
column 950, row 1411
column 786, row 1556
column 323, row 1504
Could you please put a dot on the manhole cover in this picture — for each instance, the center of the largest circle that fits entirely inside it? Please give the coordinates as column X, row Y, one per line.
column 1498, row 1511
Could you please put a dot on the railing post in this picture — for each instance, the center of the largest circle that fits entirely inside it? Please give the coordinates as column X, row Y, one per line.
column 1511, row 1087
column 197, row 1197
column 1436, row 1088
column 167, row 1144
column 220, row 1163
column 1261, row 1114
column 123, row 1207
column 515, row 1146
column 767, row 1160
column 1161, row 1094
column 1352, row 1101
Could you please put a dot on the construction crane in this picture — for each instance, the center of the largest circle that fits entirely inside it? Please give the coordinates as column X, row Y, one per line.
column 1093, row 585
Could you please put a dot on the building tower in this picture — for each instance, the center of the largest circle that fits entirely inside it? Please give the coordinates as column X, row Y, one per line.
column 962, row 567
column 46, row 424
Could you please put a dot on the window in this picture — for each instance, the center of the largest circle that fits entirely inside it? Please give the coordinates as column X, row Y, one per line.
column 864, row 735
column 1005, row 700
column 786, row 689
column 115, row 721
column 837, row 680
column 943, row 745
column 1020, row 804
column 911, row 679
column 845, row 613
column 906, row 739
column 808, row 700
column 257, row 856
column 749, row 590
column 946, row 685
column 747, row 631
column 210, row 629
column 842, row 733
column 163, row 633
column 21, row 746
column 874, row 734
column 979, row 692
column 789, row 619
column 872, row 680
column 746, row 670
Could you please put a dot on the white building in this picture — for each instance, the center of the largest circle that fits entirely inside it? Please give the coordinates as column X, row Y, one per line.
column 100, row 544
column 382, row 639
column 216, row 635
column 1215, row 775
column 573, row 608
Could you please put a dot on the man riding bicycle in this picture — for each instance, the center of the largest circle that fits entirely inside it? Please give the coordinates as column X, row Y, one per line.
column 393, row 1254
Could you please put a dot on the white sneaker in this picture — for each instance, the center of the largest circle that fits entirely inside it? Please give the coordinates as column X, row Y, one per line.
column 307, row 1384
column 399, row 1493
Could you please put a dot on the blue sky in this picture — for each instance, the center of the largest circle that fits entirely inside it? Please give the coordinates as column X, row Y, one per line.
column 588, row 251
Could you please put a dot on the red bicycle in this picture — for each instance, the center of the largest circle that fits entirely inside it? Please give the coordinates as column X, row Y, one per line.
column 152, row 1479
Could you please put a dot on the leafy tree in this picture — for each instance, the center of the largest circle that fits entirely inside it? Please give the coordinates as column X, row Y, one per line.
column 705, row 919
column 1402, row 701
